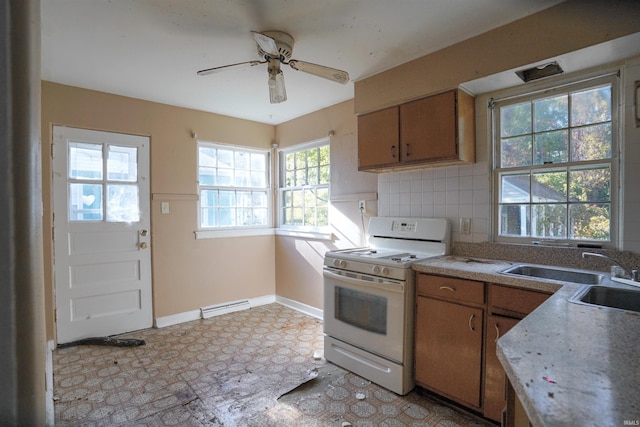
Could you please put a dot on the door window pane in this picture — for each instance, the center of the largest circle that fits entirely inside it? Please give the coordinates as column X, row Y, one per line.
column 85, row 202
column 122, row 163
column 123, row 203
column 85, row 160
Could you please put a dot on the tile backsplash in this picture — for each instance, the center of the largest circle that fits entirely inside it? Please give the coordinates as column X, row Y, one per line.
column 451, row 192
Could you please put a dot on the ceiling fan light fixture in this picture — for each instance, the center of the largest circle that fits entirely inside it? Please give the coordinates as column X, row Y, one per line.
column 277, row 92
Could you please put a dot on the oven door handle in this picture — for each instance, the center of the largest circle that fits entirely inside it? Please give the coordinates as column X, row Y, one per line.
column 387, row 286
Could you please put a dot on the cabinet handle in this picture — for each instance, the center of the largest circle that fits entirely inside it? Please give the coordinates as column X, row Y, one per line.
column 497, row 332
column 448, row 288
column 408, row 153
column 393, row 151
column 473, row 316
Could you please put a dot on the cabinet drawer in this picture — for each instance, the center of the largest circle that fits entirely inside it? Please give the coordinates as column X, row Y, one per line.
column 514, row 300
column 451, row 288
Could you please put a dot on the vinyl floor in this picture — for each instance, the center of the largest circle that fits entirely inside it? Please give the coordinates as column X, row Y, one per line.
column 257, row 367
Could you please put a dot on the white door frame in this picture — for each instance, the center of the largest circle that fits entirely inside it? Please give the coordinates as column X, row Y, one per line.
column 102, row 259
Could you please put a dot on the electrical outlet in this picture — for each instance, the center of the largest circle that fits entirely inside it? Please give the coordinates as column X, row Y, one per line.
column 362, row 205
column 465, row 225
column 164, row 207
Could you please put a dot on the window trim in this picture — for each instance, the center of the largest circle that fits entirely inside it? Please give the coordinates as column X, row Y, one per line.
column 322, row 232
column 231, row 231
column 542, row 90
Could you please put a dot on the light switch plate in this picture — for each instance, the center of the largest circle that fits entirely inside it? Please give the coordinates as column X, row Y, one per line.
column 164, row 207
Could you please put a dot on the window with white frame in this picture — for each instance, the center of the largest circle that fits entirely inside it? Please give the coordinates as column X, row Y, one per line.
column 233, row 186
column 304, row 186
column 555, row 160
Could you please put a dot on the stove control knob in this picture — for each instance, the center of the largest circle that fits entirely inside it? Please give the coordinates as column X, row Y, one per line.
column 376, row 269
column 385, row 271
column 339, row 263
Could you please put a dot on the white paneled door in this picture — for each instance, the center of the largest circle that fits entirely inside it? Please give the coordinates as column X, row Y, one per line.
column 102, row 233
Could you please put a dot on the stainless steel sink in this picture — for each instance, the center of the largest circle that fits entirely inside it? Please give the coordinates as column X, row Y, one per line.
column 555, row 273
column 623, row 299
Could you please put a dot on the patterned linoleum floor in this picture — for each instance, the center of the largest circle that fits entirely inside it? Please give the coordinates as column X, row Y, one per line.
column 249, row 368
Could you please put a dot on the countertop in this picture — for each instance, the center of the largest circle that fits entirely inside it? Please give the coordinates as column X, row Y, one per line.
column 570, row 364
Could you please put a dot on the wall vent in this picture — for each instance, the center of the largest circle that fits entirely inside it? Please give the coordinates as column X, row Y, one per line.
column 539, row 72
column 216, row 310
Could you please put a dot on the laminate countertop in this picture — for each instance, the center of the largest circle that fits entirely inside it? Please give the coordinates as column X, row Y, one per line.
column 570, row 364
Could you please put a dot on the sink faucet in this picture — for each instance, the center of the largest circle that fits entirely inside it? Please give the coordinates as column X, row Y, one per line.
column 633, row 274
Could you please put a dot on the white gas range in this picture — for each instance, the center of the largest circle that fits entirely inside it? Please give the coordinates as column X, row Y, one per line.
column 369, row 299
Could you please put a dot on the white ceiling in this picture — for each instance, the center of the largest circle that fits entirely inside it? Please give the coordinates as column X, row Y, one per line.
column 151, row 49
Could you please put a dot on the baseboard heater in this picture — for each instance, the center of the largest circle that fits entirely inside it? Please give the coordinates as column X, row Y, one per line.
column 216, row 310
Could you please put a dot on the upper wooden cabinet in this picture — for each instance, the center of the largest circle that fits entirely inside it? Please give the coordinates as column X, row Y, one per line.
column 436, row 130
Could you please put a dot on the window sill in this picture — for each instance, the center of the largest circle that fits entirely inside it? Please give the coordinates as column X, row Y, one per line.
column 236, row 232
column 315, row 235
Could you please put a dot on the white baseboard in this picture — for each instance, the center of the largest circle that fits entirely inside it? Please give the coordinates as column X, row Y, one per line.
column 301, row 307
column 175, row 319
column 48, row 374
column 188, row 316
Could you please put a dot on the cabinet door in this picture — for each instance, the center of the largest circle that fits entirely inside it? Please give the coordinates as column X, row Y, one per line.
column 448, row 349
column 378, row 138
column 428, row 128
column 494, row 377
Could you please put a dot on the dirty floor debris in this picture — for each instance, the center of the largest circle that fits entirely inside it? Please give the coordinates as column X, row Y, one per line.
column 257, row 367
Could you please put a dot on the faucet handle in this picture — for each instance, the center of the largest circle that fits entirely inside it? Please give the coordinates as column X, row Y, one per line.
column 635, row 275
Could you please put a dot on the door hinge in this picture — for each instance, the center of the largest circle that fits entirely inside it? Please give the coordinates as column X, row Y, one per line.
column 53, row 233
column 52, row 150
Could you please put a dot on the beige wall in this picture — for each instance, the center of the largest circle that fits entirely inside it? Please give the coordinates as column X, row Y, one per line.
column 190, row 273
column 187, row 273
column 299, row 260
column 567, row 27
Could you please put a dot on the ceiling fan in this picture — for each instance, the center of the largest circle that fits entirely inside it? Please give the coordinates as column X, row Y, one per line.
column 276, row 48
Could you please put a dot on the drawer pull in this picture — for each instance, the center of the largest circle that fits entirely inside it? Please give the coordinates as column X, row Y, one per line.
column 471, row 327
column 497, row 332
column 448, row 288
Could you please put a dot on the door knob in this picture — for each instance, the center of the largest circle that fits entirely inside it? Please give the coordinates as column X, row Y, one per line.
column 144, row 233
column 143, row 245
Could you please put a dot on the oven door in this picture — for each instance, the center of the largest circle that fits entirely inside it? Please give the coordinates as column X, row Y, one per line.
column 365, row 311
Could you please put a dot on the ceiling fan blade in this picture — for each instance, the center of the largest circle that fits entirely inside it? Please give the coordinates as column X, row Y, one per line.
column 329, row 73
column 266, row 43
column 229, row 67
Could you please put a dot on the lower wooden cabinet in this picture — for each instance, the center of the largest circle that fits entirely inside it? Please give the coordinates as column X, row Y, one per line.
column 449, row 349
column 495, row 381
column 456, row 334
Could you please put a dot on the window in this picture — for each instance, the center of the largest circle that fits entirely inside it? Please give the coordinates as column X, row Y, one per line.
column 555, row 172
column 101, row 172
column 304, row 187
column 234, row 187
